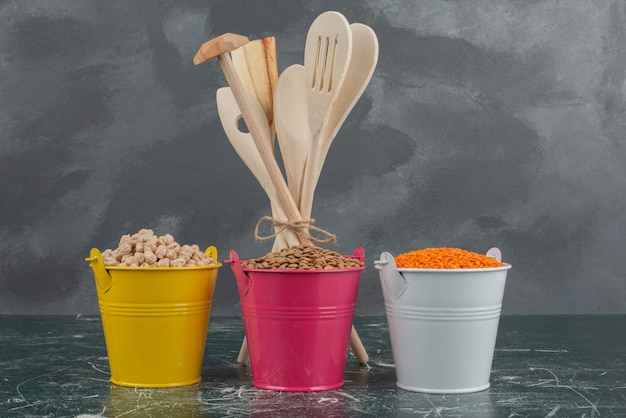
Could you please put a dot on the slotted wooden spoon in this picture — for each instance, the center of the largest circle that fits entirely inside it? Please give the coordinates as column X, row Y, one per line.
column 327, row 53
column 360, row 70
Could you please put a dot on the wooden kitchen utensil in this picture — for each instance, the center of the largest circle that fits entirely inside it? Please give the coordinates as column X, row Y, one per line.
column 257, row 67
column 360, row 70
column 243, row 144
column 220, row 47
column 292, row 125
column 327, row 53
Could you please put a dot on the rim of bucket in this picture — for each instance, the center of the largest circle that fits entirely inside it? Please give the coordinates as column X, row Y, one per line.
column 459, row 270
column 388, row 259
column 210, row 251
column 301, row 270
column 212, row 266
column 358, row 254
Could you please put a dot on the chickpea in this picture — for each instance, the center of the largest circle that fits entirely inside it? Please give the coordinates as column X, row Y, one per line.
column 144, row 249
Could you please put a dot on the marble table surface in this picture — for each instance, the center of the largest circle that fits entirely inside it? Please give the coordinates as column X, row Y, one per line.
column 544, row 366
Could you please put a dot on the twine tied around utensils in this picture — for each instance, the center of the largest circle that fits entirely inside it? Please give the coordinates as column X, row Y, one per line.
column 301, row 228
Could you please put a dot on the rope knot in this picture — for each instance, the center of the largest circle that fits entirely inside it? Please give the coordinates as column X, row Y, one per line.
column 301, row 228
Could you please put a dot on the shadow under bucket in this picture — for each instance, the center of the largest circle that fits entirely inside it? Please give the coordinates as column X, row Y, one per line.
column 155, row 320
column 443, row 324
column 297, row 324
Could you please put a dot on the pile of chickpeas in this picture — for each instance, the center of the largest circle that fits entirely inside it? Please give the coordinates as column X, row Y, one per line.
column 145, row 249
column 299, row 257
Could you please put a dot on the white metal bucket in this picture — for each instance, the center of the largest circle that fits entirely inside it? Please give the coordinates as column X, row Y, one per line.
column 443, row 324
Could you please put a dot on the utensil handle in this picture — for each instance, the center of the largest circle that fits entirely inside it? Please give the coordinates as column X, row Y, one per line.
column 244, row 353
column 357, row 347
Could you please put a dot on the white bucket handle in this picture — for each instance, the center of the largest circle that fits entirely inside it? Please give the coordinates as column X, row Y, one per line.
column 495, row 253
column 394, row 283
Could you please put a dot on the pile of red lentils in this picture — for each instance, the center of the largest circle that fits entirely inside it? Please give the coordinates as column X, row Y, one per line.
column 445, row 258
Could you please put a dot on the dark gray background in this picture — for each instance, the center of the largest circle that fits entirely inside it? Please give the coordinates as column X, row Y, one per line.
column 487, row 123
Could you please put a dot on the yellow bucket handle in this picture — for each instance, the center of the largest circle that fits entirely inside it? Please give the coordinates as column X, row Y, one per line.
column 211, row 252
column 103, row 279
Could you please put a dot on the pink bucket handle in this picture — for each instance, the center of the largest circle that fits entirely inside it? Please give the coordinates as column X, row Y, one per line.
column 243, row 281
column 359, row 253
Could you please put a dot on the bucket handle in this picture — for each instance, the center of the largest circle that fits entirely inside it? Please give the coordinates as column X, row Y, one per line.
column 243, row 281
column 103, row 279
column 211, row 251
column 495, row 253
column 359, row 254
column 393, row 282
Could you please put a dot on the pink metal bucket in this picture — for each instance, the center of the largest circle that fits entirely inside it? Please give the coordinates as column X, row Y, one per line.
column 297, row 324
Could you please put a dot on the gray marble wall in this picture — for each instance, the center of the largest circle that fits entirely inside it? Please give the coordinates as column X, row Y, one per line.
column 487, row 123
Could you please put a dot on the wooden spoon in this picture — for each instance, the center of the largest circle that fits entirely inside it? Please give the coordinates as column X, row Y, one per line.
column 292, row 125
column 243, row 144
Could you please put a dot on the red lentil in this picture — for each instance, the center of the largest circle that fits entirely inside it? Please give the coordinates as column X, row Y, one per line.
column 445, row 258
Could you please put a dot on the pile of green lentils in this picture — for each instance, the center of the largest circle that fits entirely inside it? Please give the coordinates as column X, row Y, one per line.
column 301, row 257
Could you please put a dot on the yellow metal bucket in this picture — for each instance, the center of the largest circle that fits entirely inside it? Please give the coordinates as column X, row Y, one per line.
column 155, row 320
